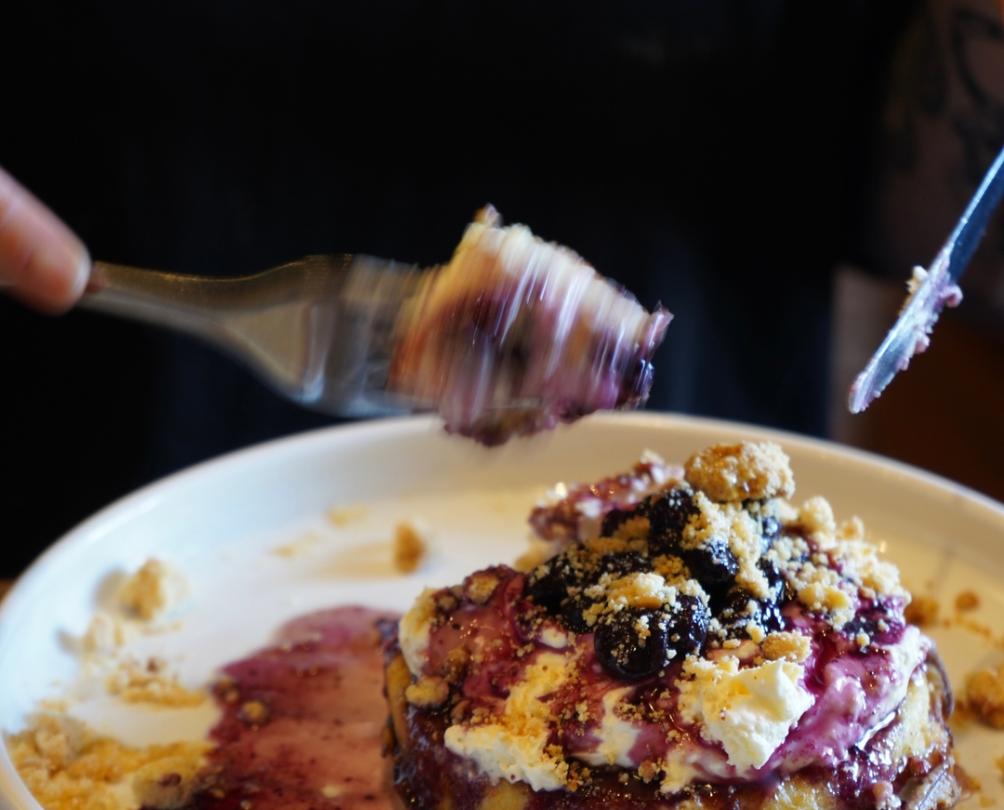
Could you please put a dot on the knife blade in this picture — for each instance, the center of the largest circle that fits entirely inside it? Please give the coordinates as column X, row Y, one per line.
column 930, row 291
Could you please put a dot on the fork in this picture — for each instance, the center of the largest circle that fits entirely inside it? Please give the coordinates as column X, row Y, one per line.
column 319, row 330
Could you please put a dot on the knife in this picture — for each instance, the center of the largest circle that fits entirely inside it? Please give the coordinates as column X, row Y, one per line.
column 929, row 292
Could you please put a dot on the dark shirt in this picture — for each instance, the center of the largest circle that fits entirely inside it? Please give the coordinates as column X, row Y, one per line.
column 707, row 155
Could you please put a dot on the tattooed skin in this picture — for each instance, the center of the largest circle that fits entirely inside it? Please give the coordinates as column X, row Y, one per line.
column 942, row 126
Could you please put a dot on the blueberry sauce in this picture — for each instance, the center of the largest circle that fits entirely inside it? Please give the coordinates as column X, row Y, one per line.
column 303, row 721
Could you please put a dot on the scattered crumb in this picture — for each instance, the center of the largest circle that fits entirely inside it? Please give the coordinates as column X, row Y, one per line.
column 331, row 791
column 967, row 600
column 410, row 547
column 426, row 692
column 790, row 646
column 153, row 589
column 105, row 634
column 68, row 767
column 999, row 762
column 344, row 515
column 985, row 696
column 254, row 713
column 149, row 683
column 298, row 547
column 922, row 611
column 480, row 586
column 987, row 801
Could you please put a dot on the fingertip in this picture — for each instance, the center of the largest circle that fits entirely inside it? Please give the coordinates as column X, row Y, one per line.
column 56, row 277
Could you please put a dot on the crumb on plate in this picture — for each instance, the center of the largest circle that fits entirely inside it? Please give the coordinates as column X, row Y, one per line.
column 154, row 589
column 410, row 547
column 342, row 516
column 922, row 611
column 985, row 695
column 967, row 600
column 134, row 682
column 105, row 634
column 298, row 547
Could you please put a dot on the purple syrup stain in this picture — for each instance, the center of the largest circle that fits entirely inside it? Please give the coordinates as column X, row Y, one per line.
column 317, row 740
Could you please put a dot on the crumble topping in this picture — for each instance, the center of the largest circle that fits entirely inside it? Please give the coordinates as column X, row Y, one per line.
column 69, row 767
column 410, row 547
column 740, row 472
column 154, row 589
column 967, row 600
column 788, row 646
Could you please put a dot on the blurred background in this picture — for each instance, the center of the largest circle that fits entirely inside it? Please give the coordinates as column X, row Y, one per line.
column 769, row 170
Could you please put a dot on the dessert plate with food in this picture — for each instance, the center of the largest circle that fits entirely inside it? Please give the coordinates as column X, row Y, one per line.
column 641, row 612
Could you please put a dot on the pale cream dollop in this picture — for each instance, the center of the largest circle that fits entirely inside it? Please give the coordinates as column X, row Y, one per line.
column 748, row 711
column 514, row 746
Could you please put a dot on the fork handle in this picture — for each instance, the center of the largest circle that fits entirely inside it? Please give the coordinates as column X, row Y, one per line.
column 189, row 303
column 193, row 304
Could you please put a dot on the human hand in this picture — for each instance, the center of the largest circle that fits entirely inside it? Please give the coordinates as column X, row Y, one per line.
column 42, row 262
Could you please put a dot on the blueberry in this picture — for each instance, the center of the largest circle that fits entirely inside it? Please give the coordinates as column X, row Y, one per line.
column 668, row 513
column 622, row 562
column 687, row 625
column 636, row 383
column 572, row 610
column 615, row 518
column 776, row 583
column 547, row 587
column 626, row 652
column 742, row 608
column 712, row 564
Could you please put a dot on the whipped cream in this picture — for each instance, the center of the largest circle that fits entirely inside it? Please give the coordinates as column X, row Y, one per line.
column 747, row 711
column 515, row 747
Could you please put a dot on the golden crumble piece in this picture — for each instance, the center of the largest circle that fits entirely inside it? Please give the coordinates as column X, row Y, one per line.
column 153, row 589
column 137, row 683
column 789, row 646
column 480, row 587
column 739, row 472
column 640, row 590
column 409, row 548
column 999, row 762
column 426, row 692
column 922, row 611
column 967, row 600
column 985, row 695
column 254, row 713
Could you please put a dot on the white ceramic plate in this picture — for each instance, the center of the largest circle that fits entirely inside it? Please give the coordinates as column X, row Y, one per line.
column 254, row 534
